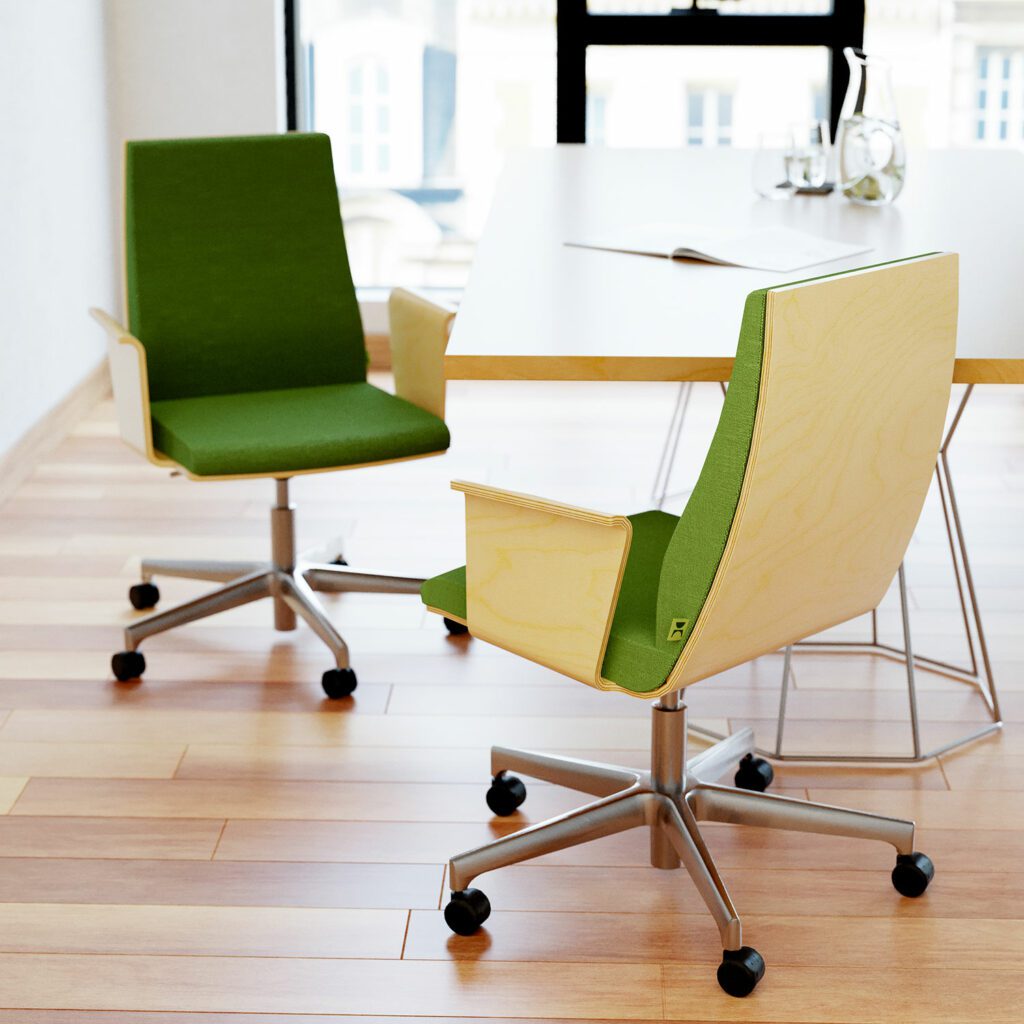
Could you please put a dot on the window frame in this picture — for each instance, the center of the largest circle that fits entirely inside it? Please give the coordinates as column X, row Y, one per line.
column 578, row 28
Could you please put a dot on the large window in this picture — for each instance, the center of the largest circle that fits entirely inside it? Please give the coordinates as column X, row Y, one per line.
column 423, row 99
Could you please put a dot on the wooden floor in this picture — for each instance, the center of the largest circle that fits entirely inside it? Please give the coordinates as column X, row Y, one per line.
column 219, row 840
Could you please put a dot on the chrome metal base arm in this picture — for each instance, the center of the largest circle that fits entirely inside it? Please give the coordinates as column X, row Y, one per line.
column 291, row 584
column 669, row 800
column 583, row 776
column 765, row 810
column 333, row 579
column 217, row 572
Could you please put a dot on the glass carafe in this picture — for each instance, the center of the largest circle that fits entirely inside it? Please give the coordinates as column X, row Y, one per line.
column 872, row 158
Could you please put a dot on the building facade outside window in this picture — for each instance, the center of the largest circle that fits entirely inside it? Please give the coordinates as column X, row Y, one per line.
column 423, row 100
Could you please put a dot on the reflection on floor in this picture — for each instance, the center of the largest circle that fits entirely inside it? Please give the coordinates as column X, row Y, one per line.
column 220, row 840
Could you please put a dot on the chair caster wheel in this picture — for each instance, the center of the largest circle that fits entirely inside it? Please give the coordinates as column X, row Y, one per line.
column 740, row 971
column 466, row 911
column 912, row 874
column 754, row 773
column 143, row 596
column 455, row 628
column 506, row 794
column 339, row 560
column 339, row 682
column 128, row 665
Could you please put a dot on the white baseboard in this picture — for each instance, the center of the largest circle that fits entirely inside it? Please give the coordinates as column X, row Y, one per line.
column 23, row 456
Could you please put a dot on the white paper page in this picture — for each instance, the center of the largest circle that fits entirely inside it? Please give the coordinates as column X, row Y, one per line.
column 777, row 249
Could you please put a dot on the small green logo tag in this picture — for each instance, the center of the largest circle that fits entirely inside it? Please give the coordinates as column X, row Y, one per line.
column 678, row 628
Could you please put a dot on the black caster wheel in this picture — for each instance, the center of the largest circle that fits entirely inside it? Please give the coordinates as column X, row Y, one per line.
column 740, row 971
column 340, row 560
column 143, row 596
column 455, row 628
column 339, row 682
column 912, row 874
column 506, row 794
column 754, row 773
column 128, row 665
column 466, row 911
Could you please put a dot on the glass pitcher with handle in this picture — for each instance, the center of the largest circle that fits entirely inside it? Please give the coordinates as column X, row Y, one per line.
column 872, row 157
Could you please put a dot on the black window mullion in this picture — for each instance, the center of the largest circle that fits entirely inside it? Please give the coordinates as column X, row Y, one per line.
column 577, row 29
column 571, row 113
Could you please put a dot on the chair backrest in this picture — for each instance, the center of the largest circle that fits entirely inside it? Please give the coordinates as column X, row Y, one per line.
column 825, row 449
column 237, row 277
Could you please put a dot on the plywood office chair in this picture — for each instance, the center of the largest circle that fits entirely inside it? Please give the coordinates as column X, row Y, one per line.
column 244, row 357
column 808, row 498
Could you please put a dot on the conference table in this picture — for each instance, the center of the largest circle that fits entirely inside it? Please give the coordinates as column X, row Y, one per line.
column 537, row 308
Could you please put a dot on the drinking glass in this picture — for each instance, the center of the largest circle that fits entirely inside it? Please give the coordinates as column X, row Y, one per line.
column 808, row 161
column 770, row 172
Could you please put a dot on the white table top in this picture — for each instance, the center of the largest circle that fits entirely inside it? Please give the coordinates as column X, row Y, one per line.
column 536, row 309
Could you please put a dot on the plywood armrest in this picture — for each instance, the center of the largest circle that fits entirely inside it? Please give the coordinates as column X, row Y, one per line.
column 419, row 330
column 542, row 578
column 126, row 357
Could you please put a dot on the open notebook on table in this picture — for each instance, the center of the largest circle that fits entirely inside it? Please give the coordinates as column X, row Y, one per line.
column 777, row 249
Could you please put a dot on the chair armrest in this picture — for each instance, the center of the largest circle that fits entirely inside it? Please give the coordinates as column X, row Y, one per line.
column 419, row 330
column 542, row 578
column 126, row 358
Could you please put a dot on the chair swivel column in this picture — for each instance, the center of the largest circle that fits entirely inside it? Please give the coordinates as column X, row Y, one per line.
column 668, row 760
column 282, row 539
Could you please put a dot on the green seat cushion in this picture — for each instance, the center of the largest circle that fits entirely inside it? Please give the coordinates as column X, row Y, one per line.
column 293, row 429
column 447, row 592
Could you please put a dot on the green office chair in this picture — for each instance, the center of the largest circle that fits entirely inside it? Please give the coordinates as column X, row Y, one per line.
column 806, row 503
column 244, row 357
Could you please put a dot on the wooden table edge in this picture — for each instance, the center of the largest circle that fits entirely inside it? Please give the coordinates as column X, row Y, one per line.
column 668, row 368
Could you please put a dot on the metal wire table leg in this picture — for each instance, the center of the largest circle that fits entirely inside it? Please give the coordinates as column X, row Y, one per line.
column 980, row 677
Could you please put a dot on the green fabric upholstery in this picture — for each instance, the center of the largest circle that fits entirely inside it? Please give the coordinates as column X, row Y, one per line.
column 631, row 654
column 240, row 291
column 672, row 560
column 696, row 548
column 293, row 429
column 447, row 592
column 237, row 275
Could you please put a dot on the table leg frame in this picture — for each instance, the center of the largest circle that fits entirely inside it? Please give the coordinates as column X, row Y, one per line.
column 979, row 676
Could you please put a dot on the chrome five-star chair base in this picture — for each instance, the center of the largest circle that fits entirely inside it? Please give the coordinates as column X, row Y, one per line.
column 669, row 800
column 291, row 582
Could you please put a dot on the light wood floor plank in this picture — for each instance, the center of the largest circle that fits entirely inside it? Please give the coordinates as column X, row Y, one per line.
column 193, row 798
column 220, row 883
column 10, row 789
column 733, row 846
column 839, row 942
column 878, row 995
column 775, row 892
column 201, row 931
column 134, row 1017
column 91, row 760
column 268, row 985
column 255, row 727
column 960, row 809
column 118, row 838
column 300, row 692
column 976, row 770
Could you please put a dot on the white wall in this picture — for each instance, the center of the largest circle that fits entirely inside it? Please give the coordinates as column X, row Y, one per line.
column 77, row 78
column 55, row 225
column 195, row 67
